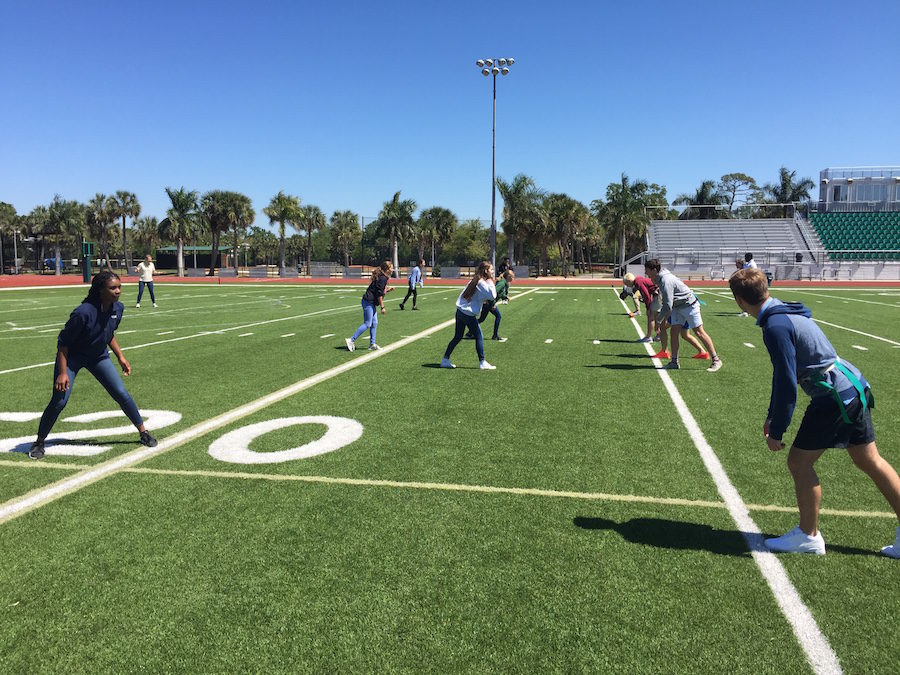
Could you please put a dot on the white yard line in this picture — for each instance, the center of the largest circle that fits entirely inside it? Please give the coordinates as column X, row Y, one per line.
column 18, row 506
column 838, row 297
column 451, row 487
column 814, row 643
column 858, row 332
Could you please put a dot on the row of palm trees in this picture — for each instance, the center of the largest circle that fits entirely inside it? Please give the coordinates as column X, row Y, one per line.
column 536, row 224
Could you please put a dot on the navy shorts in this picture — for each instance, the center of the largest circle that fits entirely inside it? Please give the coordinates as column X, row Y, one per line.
column 824, row 427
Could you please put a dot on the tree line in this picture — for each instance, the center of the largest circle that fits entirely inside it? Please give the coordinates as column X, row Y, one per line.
column 550, row 230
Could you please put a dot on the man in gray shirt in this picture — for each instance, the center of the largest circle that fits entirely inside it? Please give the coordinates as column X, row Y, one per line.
column 681, row 305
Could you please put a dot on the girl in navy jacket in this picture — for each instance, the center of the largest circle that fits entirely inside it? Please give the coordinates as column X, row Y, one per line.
column 81, row 344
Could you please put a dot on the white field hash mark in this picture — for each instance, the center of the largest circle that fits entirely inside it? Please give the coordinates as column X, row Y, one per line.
column 750, row 344
column 288, row 335
column 813, row 642
column 17, row 506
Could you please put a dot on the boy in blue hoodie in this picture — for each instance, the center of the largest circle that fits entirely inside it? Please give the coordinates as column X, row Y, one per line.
column 838, row 416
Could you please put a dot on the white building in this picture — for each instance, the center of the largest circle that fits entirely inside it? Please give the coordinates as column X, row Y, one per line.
column 859, row 188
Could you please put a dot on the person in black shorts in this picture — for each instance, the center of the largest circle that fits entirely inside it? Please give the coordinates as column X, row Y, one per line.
column 839, row 414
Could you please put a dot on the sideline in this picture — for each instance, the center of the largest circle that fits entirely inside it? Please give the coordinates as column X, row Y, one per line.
column 813, row 642
column 17, row 506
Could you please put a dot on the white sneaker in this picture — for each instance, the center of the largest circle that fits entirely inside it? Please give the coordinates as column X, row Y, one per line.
column 893, row 551
column 797, row 541
column 716, row 365
column 445, row 363
column 743, row 314
column 484, row 365
column 154, row 305
column 138, row 306
column 351, row 345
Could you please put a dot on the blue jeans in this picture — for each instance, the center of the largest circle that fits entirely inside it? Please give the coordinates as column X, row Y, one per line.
column 141, row 291
column 106, row 374
column 370, row 322
column 464, row 321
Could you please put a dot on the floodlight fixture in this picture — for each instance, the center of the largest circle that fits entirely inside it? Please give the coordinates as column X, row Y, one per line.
column 488, row 67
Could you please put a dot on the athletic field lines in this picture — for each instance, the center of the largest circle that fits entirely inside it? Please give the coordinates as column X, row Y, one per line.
column 450, row 487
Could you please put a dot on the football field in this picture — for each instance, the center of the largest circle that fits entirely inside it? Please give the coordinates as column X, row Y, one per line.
column 311, row 509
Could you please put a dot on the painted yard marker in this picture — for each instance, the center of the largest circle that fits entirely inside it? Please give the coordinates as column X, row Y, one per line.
column 548, row 341
column 748, row 344
column 322, row 337
column 245, row 334
column 288, row 335
column 596, row 342
column 166, row 332
column 860, row 348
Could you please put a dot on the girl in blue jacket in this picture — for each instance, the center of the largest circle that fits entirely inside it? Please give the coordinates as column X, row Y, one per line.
column 81, row 344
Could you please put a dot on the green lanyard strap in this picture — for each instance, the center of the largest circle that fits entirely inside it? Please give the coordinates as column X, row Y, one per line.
column 853, row 380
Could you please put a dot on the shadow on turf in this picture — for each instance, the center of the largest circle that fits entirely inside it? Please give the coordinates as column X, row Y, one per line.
column 25, row 447
column 624, row 342
column 676, row 534
column 621, row 366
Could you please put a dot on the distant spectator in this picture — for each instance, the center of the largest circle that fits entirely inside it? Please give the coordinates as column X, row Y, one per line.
column 749, row 262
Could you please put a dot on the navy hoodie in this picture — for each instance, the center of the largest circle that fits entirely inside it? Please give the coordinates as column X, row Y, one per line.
column 800, row 352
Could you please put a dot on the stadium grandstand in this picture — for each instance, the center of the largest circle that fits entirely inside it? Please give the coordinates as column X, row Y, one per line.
column 852, row 232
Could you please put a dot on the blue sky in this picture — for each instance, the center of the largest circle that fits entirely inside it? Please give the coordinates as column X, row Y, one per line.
column 345, row 103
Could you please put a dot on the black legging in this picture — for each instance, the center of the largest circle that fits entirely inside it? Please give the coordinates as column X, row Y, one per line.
column 411, row 292
column 491, row 309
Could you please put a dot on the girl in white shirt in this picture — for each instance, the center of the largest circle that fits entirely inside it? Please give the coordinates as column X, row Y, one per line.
column 145, row 277
column 468, row 306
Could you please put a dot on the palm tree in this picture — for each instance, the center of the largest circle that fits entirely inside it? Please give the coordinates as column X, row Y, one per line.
column 437, row 223
column 63, row 218
column 219, row 209
column 566, row 217
column 395, row 222
column 240, row 216
column 98, row 219
column 125, row 204
column 8, row 221
column 520, row 198
column 146, row 232
column 181, row 220
column 311, row 219
column 788, row 190
column 624, row 212
column 283, row 209
column 705, row 195
column 346, row 232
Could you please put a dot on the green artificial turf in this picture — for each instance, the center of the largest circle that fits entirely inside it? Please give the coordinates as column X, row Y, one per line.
column 235, row 570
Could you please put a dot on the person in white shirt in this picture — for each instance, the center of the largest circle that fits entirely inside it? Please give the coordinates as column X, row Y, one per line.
column 479, row 290
column 145, row 277
column 749, row 262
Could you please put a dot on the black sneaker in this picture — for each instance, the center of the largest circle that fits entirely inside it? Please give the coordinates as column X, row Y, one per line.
column 37, row 450
column 468, row 336
column 401, row 306
column 147, row 439
column 415, row 309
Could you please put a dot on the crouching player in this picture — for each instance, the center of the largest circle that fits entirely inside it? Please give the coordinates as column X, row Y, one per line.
column 839, row 413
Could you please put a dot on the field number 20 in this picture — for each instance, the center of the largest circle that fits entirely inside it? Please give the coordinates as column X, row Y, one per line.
column 233, row 447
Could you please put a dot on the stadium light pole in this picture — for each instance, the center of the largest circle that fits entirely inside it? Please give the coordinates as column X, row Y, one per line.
column 494, row 67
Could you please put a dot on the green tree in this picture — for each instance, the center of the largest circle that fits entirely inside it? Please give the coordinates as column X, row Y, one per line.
column 311, row 219
column 283, row 209
column 566, row 218
column 346, row 233
column 64, row 218
column 98, row 218
column 788, row 190
column 395, row 222
column 437, row 224
column 521, row 198
column 736, row 187
column 624, row 214
column 125, row 204
column 181, row 220
column 468, row 243
column 146, row 232
column 8, row 223
column 707, row 195
column 240, row 216
column 263, row 244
